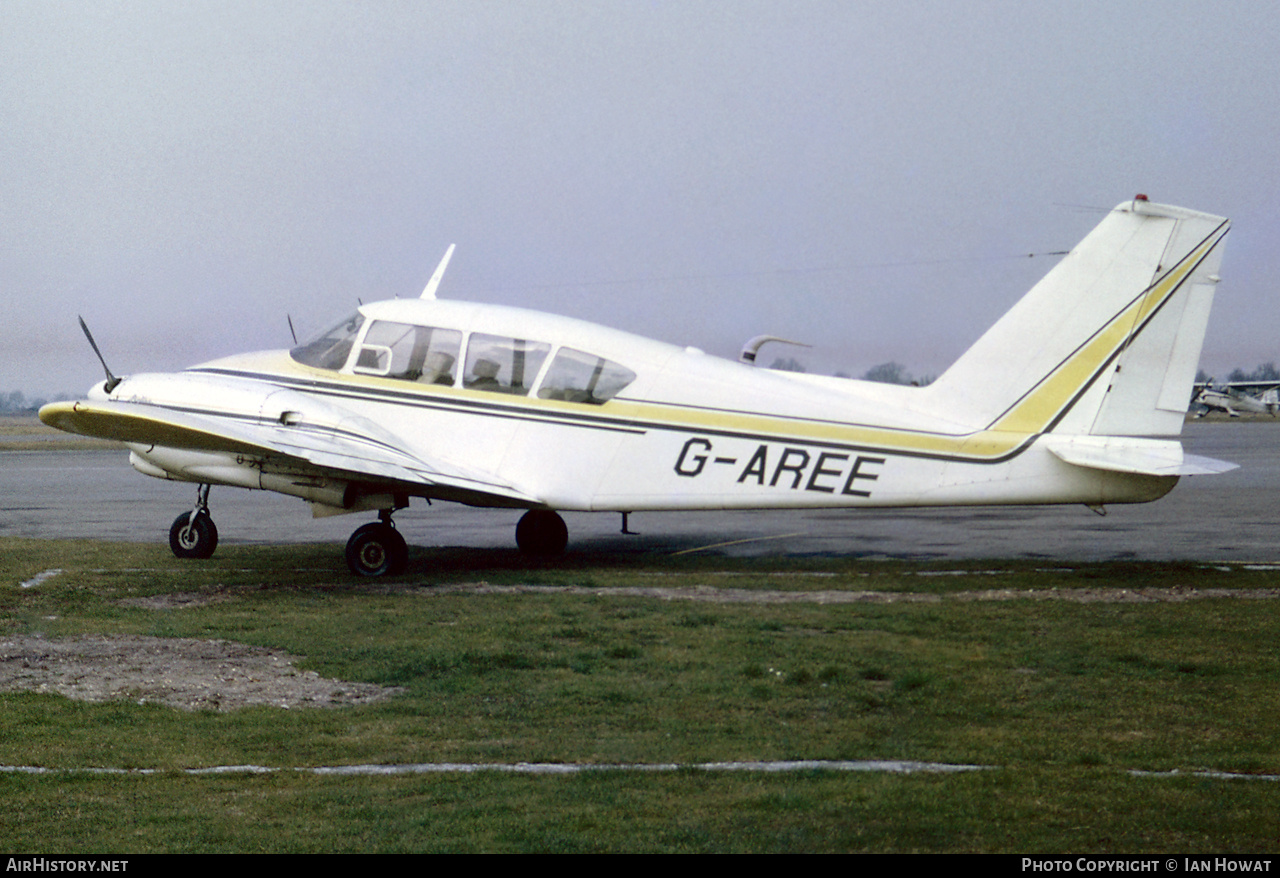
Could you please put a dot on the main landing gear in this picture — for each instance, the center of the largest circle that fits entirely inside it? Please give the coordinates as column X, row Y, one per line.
column 542, row 532
column 193, row 534
column 377, row 549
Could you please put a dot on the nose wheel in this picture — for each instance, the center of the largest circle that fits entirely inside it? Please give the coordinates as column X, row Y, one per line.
column 377, row 549
column 193, row 534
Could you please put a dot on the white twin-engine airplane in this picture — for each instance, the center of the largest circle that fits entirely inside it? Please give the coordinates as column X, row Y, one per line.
column 495, row 406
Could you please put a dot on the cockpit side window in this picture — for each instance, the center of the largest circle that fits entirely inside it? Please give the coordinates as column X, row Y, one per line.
column 330, row 349
column 424, row 354
column 503, row 365
column 576, row 376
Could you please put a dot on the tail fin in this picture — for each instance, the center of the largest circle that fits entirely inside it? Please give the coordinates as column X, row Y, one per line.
column 1108, row 342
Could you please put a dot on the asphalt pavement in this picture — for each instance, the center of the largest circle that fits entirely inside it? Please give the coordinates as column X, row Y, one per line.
column 1228, row 517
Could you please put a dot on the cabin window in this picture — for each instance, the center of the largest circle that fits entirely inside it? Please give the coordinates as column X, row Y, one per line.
column 424, row 354
column 576, row 376
column 330, row 349
column 503, row 365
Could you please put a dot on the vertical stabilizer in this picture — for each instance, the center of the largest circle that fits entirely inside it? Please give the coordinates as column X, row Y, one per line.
column 1108, row 342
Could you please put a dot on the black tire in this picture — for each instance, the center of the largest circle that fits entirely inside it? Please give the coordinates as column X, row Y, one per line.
column 193, row 539
column 542, row 532
column 377, row 549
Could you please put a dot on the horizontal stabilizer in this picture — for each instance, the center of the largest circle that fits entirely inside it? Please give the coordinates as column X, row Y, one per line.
column 1125, row 454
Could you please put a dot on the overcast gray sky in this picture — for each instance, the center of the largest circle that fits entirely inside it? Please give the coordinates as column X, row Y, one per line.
column 860, row 176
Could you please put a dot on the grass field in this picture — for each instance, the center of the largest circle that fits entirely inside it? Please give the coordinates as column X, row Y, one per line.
column 1056, row 679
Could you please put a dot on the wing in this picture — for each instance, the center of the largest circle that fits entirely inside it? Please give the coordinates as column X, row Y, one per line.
column 1252, row 388
column 353, row 450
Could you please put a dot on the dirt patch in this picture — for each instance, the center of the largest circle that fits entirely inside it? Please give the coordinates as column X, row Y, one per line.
column 182, row 673
column 717, row 595
column 183, row 600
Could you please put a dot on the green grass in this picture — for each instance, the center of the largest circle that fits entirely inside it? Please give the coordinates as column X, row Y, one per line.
column 1040, row 811
column 1062, row 698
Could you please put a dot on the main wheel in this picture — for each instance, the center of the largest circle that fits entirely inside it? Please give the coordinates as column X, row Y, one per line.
column 542, row 532
column 193, row 538
column 377, row 549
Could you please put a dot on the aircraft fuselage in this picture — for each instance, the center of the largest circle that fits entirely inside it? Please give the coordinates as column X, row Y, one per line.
column 690, row 431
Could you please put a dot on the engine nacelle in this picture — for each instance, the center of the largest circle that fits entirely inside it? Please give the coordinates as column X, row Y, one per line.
column 240, row 471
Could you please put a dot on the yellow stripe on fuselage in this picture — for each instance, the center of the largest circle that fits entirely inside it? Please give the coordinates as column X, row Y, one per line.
column 983, row 446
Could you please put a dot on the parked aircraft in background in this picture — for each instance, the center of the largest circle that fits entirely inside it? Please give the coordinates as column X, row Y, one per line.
column 1233, row 397
column 495, row 406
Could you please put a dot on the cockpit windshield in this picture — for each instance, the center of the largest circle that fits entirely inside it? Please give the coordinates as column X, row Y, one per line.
column 331, row 348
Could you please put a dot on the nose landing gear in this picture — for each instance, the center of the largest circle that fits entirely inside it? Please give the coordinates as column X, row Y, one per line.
column 193, row 534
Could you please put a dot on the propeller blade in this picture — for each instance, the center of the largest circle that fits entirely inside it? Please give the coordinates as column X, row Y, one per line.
column 112, row 380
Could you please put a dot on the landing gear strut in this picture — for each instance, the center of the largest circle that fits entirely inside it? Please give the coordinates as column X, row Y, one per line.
column 542, row 532
column 193, row 534
column 377, row 549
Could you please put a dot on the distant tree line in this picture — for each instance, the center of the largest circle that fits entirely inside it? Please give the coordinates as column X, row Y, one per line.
column 788, row 364
column 893, row 372
column 1264, row 372
column 885, row 373
column 16, row 402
